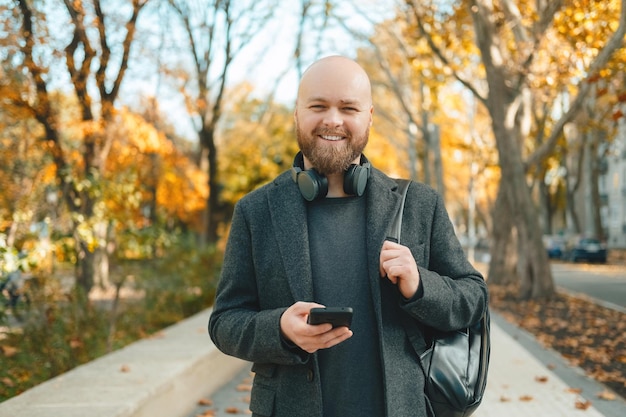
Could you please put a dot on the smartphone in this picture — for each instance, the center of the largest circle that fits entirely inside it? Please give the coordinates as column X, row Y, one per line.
column 337, row 316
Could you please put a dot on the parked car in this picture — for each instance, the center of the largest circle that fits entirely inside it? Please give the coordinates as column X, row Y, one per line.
column 555, row 246
column 585, row 249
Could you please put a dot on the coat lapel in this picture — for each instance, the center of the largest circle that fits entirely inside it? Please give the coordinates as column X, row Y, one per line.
column 382, row 204
column 289, row 221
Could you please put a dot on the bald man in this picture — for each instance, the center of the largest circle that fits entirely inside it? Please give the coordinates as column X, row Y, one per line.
column 316, row 236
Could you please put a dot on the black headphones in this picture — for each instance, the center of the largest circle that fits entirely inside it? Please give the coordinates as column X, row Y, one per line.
column 314, row 185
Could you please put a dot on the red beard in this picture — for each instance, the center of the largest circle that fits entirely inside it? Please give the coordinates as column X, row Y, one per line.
column 333, row 157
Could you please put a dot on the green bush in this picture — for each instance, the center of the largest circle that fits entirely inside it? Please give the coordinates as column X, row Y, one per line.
column 59, row 332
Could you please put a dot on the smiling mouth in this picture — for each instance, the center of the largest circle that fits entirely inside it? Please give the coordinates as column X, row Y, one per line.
column 332, row 138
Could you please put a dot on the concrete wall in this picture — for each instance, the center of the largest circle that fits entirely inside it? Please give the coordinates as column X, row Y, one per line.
column 164, row 375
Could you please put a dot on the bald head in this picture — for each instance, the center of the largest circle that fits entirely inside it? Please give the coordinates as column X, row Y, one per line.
column 335, row 74
column 333, row 114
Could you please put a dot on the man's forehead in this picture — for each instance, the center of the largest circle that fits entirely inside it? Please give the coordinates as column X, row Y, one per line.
column 341, row 100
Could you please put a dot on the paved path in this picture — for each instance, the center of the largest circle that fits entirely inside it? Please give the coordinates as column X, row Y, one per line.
column 525, row 380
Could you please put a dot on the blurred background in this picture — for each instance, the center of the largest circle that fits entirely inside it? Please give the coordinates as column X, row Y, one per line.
column 130, row 128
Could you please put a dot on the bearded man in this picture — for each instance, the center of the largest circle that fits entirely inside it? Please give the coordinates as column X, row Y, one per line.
column 316, row 237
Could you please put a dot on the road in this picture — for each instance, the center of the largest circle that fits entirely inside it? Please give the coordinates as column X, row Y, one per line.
column 606, row 283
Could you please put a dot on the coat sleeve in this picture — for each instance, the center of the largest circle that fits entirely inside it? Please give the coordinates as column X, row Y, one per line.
column 453, row 293
column 238, row 326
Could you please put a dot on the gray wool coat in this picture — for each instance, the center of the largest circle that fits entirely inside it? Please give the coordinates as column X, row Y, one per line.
column 267, row 268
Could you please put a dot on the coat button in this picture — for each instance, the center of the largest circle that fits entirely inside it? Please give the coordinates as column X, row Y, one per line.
column 310, row 375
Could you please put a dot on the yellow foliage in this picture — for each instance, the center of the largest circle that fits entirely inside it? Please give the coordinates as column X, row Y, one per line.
column 258, row 145
column 145, row 167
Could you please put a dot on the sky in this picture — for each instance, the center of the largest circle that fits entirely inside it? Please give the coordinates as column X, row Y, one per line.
column 267, row 62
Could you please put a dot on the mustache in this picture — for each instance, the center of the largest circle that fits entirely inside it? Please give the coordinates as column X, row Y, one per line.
column 320, row 131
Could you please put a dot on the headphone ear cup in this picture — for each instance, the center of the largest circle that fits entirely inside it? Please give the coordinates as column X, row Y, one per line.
column 355, row 179
column 312, row 185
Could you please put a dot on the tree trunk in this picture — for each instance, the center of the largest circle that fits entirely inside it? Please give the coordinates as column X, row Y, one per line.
column 502, row 270
column 533, row 266
column 437, row 161
column 426, row 135
column 211, row 214
column 595, row 160
column 84, row 266
column 545, row 203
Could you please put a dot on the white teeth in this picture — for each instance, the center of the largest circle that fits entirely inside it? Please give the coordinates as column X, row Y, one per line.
column 332, row 137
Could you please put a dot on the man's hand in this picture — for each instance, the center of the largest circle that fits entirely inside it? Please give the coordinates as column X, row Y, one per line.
column 310, row 338
column 398, row 266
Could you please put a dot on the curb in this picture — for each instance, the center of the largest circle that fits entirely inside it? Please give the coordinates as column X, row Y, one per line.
column 164, row 375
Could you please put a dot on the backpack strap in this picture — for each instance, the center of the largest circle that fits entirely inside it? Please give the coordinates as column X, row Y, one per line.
column 396, row 224
column 412, row 329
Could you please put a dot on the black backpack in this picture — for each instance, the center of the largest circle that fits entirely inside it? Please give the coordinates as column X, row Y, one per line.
column 455, row 364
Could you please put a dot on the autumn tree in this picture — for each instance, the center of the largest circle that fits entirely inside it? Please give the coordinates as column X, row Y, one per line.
column 433, row 129
column 150, row 187
column 215, row 32
column 509, row 37
column 96, row 50
column 407, row 98
column 252, row 163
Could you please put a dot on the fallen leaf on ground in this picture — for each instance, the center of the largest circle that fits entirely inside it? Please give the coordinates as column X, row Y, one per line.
column 541, row 379
column 504, row 399
column 125, row 368
column 574, row 390
column 8, row 382
column 582, row 405
column 526, row 398
column 207, row 413
column 232, row 410
column 76, row 343
column 606, row 395
column 244, row 387
column 205, row 401
column 9, row 351
column 575, row 328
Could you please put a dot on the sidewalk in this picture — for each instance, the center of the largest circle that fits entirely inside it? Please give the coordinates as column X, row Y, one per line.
column 524, row 380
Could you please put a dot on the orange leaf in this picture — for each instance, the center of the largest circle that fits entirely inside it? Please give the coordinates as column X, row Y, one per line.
column 574, row 390
column 526, row 398
column 541, row 379
column 606, row 395
column 76, row 343
column 8, row 382
column 125, row 368
column 9, row 351
column 205, row 401
column 583, row 405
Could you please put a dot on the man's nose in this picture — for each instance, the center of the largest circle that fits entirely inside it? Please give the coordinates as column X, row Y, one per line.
column 333, row 117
